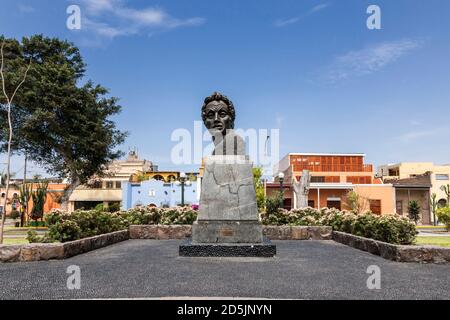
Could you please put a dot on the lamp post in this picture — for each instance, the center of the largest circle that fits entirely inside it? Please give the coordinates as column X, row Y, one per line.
column 182, row 181
column 281, row 179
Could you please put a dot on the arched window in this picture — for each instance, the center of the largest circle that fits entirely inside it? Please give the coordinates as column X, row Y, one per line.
column 158, row 177
column 442, row 203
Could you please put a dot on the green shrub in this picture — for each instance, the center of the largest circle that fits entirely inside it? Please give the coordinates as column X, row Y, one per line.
column 32, row 237
column 114, row 207
column 64, row 231
column 387, row 228
column 443, row 215
column 152, row 215
column 142, row 215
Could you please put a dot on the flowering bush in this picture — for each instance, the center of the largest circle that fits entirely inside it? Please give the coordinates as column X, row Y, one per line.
column 63, row 226
column 388, row 228
column 153, row 215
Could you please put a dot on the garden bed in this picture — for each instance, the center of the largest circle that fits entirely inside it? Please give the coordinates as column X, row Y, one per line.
column 48, row 251
column 400, row 253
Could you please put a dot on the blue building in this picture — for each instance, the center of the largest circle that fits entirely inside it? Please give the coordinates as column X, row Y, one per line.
column 158, row 193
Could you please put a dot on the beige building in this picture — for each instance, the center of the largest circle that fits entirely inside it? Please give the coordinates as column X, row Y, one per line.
column 439, row 174
column 107, row 190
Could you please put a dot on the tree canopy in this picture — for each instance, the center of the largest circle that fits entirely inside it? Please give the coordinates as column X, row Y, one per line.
column 63, row 125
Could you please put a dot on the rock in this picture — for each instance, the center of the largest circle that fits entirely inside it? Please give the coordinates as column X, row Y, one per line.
column 319, row 233
column 9, row 253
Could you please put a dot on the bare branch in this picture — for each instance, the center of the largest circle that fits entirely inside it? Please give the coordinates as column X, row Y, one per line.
column 1, row 72
column 20, row 84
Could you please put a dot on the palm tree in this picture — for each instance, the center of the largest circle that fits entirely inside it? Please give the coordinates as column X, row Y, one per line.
column 414, row 211
column 434, row 205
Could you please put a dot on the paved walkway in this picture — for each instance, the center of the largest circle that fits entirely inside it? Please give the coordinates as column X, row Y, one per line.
column 152, row 269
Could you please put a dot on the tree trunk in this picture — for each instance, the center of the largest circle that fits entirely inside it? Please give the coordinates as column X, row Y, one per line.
column 8, row 174
column 24, row 212
column 67, row 193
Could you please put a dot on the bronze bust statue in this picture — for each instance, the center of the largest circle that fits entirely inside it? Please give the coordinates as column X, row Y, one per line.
column 218, row 115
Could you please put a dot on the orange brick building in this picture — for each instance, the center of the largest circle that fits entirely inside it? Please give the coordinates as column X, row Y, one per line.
column 332, row 177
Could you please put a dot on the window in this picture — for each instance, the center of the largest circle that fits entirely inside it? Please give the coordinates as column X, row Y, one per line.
column 442, row 203
column 118, row 185
column 442, row 177
column 318, row 179
column 109, row 184
column 375, row 206
column 311, row 203
column 334, row 204
column 399, row 207
column 359, row 180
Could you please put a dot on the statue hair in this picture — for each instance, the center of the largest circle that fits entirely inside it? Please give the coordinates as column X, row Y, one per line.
column 216, row 96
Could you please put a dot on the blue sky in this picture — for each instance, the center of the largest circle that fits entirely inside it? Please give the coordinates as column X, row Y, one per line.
column 310, row 68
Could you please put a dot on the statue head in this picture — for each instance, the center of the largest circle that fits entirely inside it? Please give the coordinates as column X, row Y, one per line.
column 218, row 113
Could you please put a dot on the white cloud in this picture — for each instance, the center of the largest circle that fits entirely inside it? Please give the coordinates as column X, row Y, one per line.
column 369, row 59
column 417, row 135
column 113, row 18
column 25, row 8
column 319, row 7
column 279, row 120
column 285, row 22
column 415, row 123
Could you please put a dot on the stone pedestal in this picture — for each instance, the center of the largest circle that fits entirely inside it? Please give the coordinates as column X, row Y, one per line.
column 228, row 220
column 227, row 231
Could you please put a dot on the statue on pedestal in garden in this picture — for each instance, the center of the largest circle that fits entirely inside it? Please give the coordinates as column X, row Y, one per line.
column 228, row 221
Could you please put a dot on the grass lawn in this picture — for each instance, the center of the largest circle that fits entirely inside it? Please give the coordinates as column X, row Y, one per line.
column 437, row 241
column 15, row 241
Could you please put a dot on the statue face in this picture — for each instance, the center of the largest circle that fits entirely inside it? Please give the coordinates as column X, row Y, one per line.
column 218, row 117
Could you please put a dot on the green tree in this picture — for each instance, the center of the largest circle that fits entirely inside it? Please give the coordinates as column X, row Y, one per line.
column 444, row 216
column 446, row 189
column 13, row 74
column 63, row 126
column 39, row 197
column 414, row 211
column 356, row 202
column 25, row 191
column 259, row 188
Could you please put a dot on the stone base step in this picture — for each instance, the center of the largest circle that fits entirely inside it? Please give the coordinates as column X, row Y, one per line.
column 265, row 249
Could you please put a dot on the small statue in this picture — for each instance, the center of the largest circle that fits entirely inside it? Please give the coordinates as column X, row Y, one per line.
column 218, row 115
column 301, row 189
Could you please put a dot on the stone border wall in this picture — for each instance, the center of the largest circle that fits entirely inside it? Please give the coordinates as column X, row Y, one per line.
column 165, row 232
column 422, row 254
column 47, row 251
column 297, row 232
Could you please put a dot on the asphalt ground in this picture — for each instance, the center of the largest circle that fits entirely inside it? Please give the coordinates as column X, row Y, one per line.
column 153, row 269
